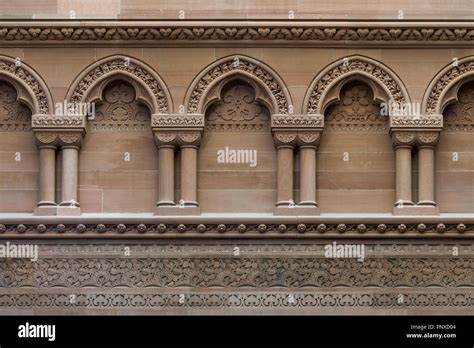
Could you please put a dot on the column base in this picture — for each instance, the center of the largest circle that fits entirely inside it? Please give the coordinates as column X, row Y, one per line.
column 46, row 210
column 69, row 211
column 416, row 210
column 177, row 210
column 297, row 210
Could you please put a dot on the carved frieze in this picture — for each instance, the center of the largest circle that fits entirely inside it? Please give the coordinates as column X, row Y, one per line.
column 424, row 121
column 262, row 32
column 297, row 121
column 58, row 121
column 177, row 121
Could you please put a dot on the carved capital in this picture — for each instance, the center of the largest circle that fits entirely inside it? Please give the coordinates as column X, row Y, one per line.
column 285, row 138
column 70, row 139
column 308, row 139
column 177, row 121
column 189, row 138
column 46, row 138
column 297, row 121
column 427, row 138
column 166, row 138
column 403, row 138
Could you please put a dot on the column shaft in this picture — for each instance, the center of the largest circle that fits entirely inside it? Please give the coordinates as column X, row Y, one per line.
column 308, row 176
column 189, row 175
column 47, row 158
column 403, row 175
column 69, row 176
column 426, row 176
column 166, row 175
column 285, row 175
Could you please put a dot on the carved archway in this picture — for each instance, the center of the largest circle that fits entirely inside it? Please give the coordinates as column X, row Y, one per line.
column 444, row 88
column 325, row 87
column 150, row 89
column 30, row 87
column 245, row 68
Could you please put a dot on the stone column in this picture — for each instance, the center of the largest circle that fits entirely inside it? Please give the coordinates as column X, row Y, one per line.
column 189, row 143
column 70, row 143
column 46, row 142
column 308, row 143
column 426, row 142
column 403, row 142
column 165, row 142
column 285, row 144
column 183, row 132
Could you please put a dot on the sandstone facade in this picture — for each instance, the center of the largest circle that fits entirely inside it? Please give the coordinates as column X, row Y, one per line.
column 213, row 161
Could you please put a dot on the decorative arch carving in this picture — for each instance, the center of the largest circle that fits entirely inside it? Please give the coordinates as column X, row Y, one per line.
column 150, row 89
column 356, row 107
column 30, row 87
column 233, row 67
column 325, row 87
column 443, row 89
column 237, row 105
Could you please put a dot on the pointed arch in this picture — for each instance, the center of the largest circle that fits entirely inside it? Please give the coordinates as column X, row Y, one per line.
column 255, row 72
column 149, row 86
column 30, row 87
column 444, row 87
column 325, row 87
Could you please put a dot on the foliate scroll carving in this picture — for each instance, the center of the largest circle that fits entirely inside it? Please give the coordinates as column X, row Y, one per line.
column 11, row 68
column 285, row 138
column 58, row 121
column 424, row 121
column 121, row 65
column 119, row 110
column 308, row 138
column 444, row 82
column 59, row 138
column 314, row 103
column 459, row 116
column 356, row 111
column 237, row 110
column 14, row 116
column 238, row 64
column 403, row 138
column 297, row 121
column 427, row 138
column 177, row 120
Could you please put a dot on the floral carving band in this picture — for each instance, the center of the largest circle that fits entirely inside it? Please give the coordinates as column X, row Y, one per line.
column 304, row 32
